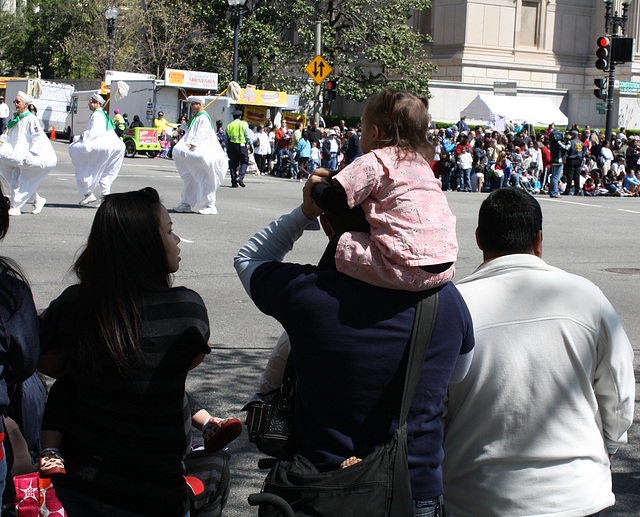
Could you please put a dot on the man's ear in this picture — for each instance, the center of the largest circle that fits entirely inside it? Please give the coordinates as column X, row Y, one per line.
column 478, row 240
column 537, row 245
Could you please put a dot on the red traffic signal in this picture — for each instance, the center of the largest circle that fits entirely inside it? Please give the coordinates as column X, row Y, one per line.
column 332, row 86
column 603, row 53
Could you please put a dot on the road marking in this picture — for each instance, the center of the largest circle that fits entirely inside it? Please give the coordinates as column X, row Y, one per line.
column 125, row 175
column 630, row 211
column 182, row 239
column 62, row 176
column 148, row 166
column 570, row 202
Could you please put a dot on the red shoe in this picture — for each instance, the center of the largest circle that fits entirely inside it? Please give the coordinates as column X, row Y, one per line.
column 219, row 433
column 51, row 464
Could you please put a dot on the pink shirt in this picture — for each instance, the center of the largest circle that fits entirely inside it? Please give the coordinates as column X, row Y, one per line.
column 411, row 222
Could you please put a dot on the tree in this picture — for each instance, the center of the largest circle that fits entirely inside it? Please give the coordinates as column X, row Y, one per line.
column 368, row 43
column 169, row 35
column 37, row 39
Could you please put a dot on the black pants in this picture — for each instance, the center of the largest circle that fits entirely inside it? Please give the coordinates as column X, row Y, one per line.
column 262, row 161
column 572, row 172
column 238, row 160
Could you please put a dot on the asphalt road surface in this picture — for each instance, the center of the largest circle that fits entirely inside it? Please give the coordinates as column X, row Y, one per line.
column 593, row 237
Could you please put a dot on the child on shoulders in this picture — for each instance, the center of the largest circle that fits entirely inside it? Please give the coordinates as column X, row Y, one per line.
column 412, row 245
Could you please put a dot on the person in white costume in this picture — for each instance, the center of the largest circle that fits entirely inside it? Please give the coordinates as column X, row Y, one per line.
column 549, row 396
column 201, row 162
column 97, row 154
column 26, row 157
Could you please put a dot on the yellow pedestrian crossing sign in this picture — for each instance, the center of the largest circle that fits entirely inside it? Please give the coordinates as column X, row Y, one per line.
column 318, row 69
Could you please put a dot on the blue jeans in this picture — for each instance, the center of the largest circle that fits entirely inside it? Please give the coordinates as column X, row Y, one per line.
column 295, row 167
column 331, row 163
column 279, row 153
column 312, row 165
column 497, row 182
column 556, row 172
column 465, row 179
column 80, row 505
column 427, row 507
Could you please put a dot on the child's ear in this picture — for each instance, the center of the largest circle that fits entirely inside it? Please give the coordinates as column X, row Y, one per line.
column 375, row 132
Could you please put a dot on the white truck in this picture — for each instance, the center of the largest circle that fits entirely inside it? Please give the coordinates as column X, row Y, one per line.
column 53, row 105
column 79, row 113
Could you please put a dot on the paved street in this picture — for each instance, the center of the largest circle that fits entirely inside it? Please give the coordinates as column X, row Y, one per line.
column 593, row 237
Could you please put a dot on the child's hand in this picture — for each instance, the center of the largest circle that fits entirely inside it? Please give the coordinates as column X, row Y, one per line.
column 322, row 172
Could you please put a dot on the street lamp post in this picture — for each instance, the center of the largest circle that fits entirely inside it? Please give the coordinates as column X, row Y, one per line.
column 236, row 23
column 613, row 24
column 111, row 15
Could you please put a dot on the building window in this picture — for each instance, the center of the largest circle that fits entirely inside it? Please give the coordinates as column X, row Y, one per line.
column 421, row 21
column 529, row 23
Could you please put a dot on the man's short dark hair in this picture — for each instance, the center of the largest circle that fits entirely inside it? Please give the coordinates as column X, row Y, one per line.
column 509, row 221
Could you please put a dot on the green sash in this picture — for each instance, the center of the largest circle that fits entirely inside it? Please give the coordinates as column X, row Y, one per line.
column 17, row 118
column 107, row 119
column 203, row 112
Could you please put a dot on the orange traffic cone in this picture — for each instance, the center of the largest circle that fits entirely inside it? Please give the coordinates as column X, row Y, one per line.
column 53, row 133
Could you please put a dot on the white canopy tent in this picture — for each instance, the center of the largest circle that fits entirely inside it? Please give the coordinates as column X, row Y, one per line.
column 534, row 110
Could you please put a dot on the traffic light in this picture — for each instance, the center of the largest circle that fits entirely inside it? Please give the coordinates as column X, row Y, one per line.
column 604, row 47
column 332, row 86
column 601, row 90
column 621, row 50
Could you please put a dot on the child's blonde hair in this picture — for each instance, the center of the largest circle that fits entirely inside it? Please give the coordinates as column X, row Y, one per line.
column 403, row 118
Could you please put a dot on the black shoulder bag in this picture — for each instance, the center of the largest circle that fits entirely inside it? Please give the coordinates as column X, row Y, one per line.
column 269, row 419
column 377, row 486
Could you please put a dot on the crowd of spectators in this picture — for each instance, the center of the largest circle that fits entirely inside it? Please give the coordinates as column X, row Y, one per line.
column 467, row 159
column 296, row 153
column 478, row 159
column 482, row 159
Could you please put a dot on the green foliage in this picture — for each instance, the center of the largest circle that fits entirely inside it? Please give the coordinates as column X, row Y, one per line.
column 368, row 43
column 40, row 34
column 334, row 120
column 168, row 34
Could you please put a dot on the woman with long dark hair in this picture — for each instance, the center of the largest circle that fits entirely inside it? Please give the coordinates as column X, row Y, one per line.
column 19, row 342
column 124, row 340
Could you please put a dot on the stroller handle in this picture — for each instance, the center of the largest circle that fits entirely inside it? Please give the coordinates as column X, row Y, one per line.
column 274, row 500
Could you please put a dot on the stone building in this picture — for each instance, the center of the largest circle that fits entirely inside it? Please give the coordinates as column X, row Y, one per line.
column 546, row 47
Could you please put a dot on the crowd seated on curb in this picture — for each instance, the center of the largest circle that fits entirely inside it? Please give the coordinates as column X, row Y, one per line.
column 521, row 158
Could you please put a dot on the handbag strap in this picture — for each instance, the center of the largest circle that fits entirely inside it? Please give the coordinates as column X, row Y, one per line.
column 423, row 322
column 288, row 377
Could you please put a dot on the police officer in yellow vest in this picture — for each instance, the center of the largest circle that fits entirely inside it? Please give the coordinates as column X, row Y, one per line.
column 238, row 138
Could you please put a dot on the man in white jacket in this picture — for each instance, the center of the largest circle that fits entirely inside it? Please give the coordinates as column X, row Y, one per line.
column 201, row 162
column 26, row 157
column 550, row 392
column 97, row 154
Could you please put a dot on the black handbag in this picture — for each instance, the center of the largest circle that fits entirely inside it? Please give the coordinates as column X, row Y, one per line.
column 379, row 485
column 270, row 418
